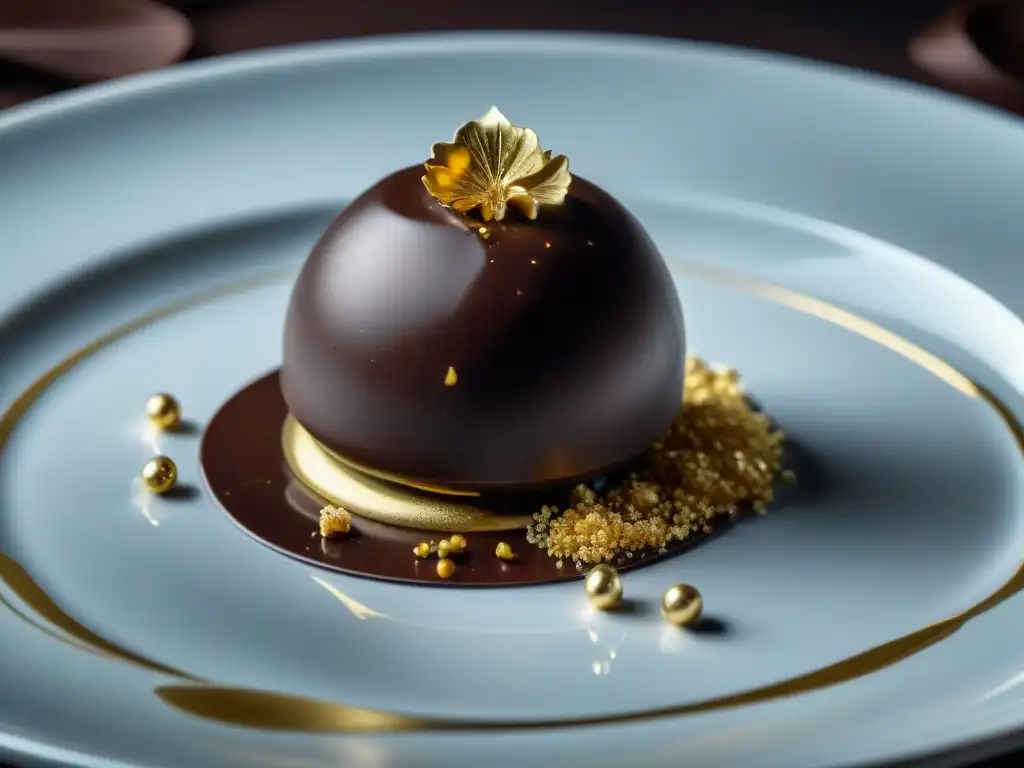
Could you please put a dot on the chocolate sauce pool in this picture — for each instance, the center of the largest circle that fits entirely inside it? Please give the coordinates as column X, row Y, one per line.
column 243, row 463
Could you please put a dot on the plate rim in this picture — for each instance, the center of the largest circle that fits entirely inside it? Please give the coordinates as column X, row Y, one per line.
column 187, row 73
column 66, row 105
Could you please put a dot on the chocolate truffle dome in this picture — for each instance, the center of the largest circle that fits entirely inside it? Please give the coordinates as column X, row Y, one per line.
column 429, row 344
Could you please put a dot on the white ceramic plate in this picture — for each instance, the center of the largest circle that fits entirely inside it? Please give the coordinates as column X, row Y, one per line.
column 872, row 615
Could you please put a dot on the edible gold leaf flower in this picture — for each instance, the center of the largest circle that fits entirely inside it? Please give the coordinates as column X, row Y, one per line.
column 492, row 164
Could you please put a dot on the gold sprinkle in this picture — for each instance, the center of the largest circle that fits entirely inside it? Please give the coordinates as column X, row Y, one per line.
column 504, row 551
column 160, row 474
column 718, row 455
column 334, row 521
column 163, row 411
column 457, row 543
column 445, row 568
column 421, row 550
column 603, row 587
column 547, row 244
column 451, row 378
column 682, row 605
column 590, row 242
column 533, row 261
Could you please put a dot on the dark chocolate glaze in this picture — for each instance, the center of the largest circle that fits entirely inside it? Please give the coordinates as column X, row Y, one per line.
column 243, row 464
column 565, row 332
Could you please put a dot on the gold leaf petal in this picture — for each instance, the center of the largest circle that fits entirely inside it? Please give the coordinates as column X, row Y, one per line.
column 550, row 184
column 521, row 199
column 491, row 163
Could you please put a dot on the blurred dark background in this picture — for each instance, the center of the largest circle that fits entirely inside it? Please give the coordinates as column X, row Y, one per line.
column 972, row 48
column 975, row 47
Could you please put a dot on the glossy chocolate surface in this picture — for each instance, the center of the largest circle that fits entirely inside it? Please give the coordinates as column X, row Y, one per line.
column 244, row 468
column 565, row 333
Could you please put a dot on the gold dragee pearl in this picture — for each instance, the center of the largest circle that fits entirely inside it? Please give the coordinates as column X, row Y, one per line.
column 445, row 568
column 457, row 543
column 682, row 605
column 160, row 474
column 163, row 411
column 504, row 551
column 604, row 587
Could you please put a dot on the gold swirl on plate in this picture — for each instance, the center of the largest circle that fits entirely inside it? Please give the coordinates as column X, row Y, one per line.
column 277, row 711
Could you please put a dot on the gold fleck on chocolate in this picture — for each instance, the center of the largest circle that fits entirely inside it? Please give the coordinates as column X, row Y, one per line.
column 421, row 550
column 451, row 378
column 445, row 568
column 334, row 521
column 717, row 455
column 603, row 586
column 163, row 411
column 682, row 605
column 159, row 474
column 457, row 543
column 504, row 551
column 547, row 244
column 491, row 164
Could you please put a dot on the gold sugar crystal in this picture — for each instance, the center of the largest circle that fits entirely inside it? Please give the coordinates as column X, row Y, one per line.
column 717, row 455
column 334, row 520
